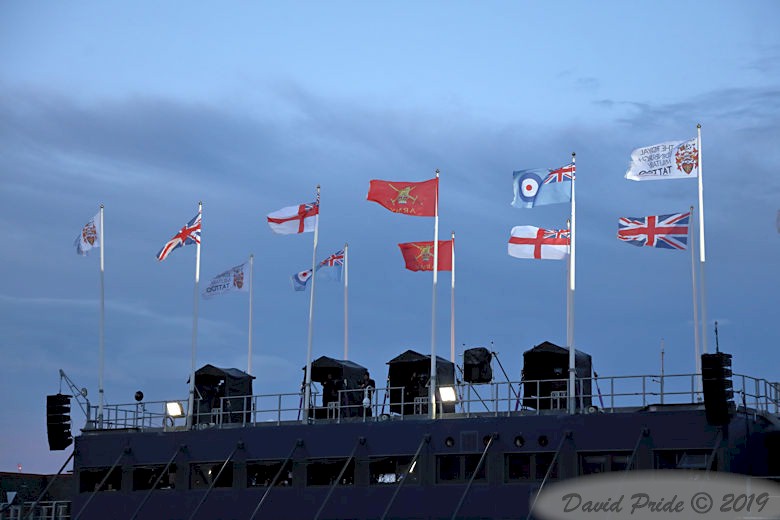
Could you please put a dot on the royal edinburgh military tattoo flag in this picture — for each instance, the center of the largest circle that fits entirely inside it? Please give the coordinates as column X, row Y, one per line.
column 417, row 199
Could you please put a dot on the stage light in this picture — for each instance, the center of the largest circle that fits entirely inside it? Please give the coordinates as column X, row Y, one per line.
column 174, row 409
column 448, row 394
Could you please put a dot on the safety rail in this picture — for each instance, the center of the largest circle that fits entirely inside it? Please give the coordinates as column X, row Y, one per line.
column 611, row 394
column 51, row 510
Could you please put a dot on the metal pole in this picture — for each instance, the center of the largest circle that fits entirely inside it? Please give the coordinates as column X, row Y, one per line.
column 432, row 380
column 702, row 256
column 191, row 403
column 696, row 342
column 251, row 292
column 346, row 301
column 572, row 269
column 307, row 387
column 102, row 341
column 452, row 303
column 662, row 370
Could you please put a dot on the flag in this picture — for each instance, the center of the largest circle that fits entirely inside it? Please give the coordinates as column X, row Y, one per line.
column 299, row 280
column 294, row 219
column 418, row 256
column 669, row 160
column 534, row 242
column 334, row 261
column 233, row 279
column 542, row 187
column 89, row 236
column 663, row 231
column 189, row 234
column 418, row 199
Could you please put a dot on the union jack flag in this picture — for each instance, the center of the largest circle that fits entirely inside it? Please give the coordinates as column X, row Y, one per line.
column 189, row 234
column 663, row 231
column 564, row 173
column 334, row 260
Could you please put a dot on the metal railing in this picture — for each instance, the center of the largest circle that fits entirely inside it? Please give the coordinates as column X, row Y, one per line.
column 52, row 510
column 605, row 394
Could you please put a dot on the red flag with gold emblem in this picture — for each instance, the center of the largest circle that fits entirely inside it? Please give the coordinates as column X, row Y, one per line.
column 419, row 255
column 418, row 199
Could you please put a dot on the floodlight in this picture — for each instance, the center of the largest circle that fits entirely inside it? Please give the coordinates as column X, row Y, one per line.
column 448, row 394
column 174, row 409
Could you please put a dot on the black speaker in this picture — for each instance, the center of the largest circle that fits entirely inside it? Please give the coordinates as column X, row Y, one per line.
column 58, row 421
column 476, row 365
column 717, row 386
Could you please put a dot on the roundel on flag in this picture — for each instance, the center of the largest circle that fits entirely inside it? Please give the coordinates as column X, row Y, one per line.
column 526, row 188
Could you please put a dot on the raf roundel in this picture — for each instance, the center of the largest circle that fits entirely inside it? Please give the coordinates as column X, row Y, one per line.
column 529, row 186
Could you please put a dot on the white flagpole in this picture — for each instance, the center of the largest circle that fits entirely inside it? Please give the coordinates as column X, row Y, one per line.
column 102, row 341
column 572, row 269
column 251, row 283
column 432, row 380
column 452, row 303
column 696, row 344
column 191, row 407
column 346, row 301
column 307, row 384
column 701, row 247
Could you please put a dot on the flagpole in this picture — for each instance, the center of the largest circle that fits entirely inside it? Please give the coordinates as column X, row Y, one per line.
column 251, row 283
column 432, row 380
column 307, row 384
column 102, row 340
column 346, row 301
column 191, row 404
column 696, row 343
column 701, row 246
column 570, row 314
column 452, row 303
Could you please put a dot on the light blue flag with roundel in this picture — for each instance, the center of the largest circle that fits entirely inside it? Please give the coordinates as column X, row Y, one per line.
column 541, row 187
column 299, row 280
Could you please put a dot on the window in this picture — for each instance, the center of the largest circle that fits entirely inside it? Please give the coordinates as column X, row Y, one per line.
column 542, row 463
column 390, row 470
column 145, row 476
column 517, row 466
column 324, row 472
column 683, row 459
column 90, row 479
column 460, row 468
column 202, row 474
column 262, row 472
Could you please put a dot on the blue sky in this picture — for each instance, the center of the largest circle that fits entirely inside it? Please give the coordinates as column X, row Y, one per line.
column 150, row 108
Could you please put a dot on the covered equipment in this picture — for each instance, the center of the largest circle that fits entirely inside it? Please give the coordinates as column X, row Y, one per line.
column 212, row 384
column 408, row 376
column 546, row 375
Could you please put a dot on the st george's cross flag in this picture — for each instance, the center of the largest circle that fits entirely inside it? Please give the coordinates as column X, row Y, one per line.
column 534, row 242
column 662, row 231
column 294, row 219
column 418, row 199
column 189, row 234
column 232, row 280
column 89, row 236
column 541, row 187
column 418, row 256
column 669, row 160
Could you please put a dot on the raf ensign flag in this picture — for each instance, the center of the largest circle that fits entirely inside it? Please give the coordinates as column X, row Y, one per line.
column 541, row 187
column 662, row 231
column 417, row 199
column 89, row 236
column 294, row 219
column 534, row 242
column 189, row 234
column 669, row 160
column 418, row 256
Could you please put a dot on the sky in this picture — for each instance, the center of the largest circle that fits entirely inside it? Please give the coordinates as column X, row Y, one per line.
column 150, row 108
